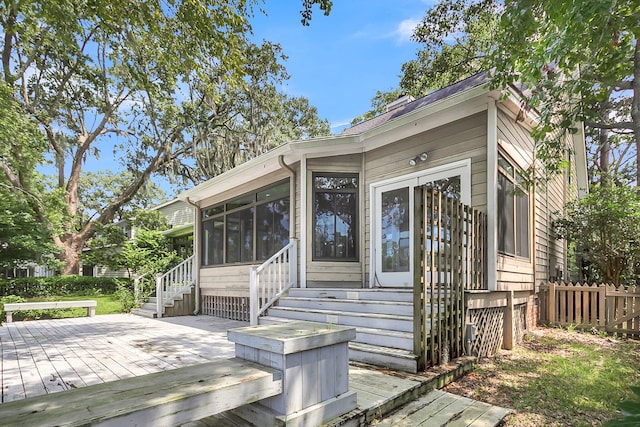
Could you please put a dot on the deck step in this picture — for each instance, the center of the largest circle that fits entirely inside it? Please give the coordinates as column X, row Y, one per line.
column 152, row 314
column 358, row 306
column 386, row 357
column 373, row 294
column 380, row 321
column 383, row 319
column 385, row 338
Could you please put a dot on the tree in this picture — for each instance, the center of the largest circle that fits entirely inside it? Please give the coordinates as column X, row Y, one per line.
column 456, row 37
column 245, row 121
column 576, row 62
column 604, row 227
column 136, row 244
column 113, row 75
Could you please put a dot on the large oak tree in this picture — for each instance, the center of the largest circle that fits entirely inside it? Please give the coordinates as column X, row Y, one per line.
column 113, row 75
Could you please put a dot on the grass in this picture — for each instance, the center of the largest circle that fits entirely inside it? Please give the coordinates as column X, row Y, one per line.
column 557, row 378
column 107, row 304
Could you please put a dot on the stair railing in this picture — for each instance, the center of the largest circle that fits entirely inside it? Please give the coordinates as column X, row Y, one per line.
column 174, row 282
column 272, row 279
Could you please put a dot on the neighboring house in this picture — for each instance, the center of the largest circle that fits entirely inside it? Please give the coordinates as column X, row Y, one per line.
column 179, row 217
column 346, row 210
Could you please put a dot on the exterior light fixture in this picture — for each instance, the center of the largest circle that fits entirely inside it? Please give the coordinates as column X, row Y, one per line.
column 419, row 158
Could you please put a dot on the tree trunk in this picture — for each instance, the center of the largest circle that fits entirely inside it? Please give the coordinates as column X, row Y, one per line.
column 605, row 151
column 635, row 107
column 71, row 248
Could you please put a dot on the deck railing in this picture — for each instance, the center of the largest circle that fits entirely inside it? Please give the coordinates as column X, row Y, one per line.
column 174, row 282
column 271, row 279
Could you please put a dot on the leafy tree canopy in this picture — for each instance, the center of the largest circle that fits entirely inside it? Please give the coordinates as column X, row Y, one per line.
column 576, row 62
column 139, row 79
column 604, row 227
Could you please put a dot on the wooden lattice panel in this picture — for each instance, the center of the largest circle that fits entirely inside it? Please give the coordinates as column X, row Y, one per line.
column 519, row 322
column 234, row 308
column 489, row 330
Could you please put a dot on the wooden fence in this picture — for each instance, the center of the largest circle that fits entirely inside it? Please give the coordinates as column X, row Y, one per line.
column 605, row 307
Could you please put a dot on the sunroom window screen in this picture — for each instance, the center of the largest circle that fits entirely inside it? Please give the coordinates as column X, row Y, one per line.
column 246, row 229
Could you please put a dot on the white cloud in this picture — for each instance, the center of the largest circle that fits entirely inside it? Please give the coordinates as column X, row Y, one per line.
column 404, row 30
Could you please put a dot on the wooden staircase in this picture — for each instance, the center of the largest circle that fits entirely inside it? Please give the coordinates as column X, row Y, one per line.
column 178, row 305
column 174, row 290
column 383, row 319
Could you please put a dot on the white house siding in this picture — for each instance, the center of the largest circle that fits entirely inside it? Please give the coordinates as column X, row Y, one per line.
column 177, row 213
column 328, row 273
column 101, row 271
column 459, row 140
column 233, row 280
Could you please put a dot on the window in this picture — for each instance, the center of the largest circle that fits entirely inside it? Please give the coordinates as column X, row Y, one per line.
column 335, row 213
column 249, row 228
column 513, row 211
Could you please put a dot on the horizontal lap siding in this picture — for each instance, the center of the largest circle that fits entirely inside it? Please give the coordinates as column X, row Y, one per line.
column 547, row 252
column 326, row 273
column 178, row 213
column 459, row 140
column 227, row 281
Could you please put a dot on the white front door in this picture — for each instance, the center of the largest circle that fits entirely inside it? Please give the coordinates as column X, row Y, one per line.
column 394, row 246
column 392, row 219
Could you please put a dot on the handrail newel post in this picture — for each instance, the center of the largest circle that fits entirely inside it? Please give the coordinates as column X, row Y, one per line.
column 159, row 296
column 253, row 296
column 293, row 263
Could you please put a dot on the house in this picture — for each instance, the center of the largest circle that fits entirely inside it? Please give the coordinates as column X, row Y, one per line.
column 412, row 226
column 180, row 219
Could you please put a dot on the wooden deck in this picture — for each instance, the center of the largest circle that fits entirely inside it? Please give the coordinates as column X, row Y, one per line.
column 48, row 356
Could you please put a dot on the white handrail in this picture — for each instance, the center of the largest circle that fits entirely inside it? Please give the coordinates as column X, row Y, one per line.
column 173, row 283
column 137, row 292
column 271, row 279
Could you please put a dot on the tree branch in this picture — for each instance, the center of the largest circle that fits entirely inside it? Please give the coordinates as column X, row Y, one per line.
column 619, row 125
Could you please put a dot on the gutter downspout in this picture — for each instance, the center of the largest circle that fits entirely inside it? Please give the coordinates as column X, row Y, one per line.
column 196, row 254
column 292, row 195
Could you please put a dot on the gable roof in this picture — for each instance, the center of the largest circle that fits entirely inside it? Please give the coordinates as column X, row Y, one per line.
column 439, row 107
column 468, row 83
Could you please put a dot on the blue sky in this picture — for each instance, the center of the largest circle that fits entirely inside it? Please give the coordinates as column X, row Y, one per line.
column 341, row 60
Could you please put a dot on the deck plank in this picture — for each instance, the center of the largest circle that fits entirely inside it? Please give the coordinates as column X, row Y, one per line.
column 61, row 354
column 438, row 408
column 472, row 413
column 12, row 386
column 177, row 395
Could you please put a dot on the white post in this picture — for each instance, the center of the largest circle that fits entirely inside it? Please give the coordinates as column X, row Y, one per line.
column 136, row 289
column 293, row 263
column 254, row 302
column 159, row 296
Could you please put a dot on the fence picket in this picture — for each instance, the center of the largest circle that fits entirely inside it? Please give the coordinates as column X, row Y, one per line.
column 605, row 307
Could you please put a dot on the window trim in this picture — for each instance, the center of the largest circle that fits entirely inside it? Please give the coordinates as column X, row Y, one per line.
column 223, row 212
column 512, row 176
column 356, row 234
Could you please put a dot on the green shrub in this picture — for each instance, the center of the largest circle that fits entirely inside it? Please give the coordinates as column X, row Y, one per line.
column 43, row 287
column 124, row 294
column 8, row 299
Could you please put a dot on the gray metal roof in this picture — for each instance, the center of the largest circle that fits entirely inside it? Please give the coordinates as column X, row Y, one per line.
column 468, row 83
